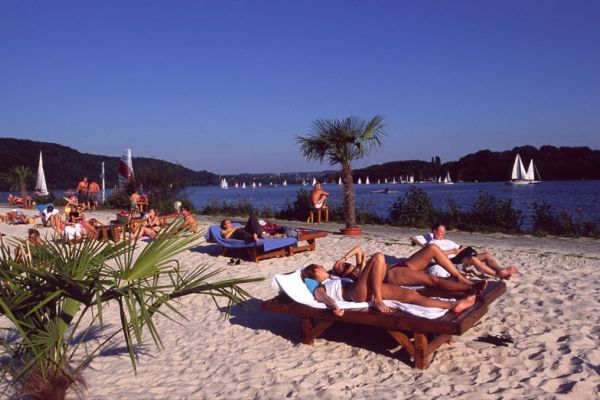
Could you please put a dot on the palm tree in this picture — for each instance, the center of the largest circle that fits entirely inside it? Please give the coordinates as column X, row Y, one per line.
column 18, row 178
column 55, row 295
column 341, row 142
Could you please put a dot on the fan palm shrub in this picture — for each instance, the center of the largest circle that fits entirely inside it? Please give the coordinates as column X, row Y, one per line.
column 55, row 296
column 341, row 142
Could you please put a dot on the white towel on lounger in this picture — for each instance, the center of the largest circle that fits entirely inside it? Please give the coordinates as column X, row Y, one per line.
column 294, row 287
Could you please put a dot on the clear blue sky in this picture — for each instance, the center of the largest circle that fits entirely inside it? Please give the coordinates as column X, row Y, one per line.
column 226, row 85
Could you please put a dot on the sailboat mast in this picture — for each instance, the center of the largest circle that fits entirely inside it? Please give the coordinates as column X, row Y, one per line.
column 103, row 184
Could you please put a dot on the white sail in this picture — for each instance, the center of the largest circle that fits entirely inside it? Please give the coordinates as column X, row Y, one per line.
column 411, row 179
column 439, row 179
column 259, row 184
column 367, row 181
column 518, row 170
column 447, row 178
column 359, row 182
column 284, row 183
column 394, row 180
column 530, row 171
column 385, row 180
column 40, row 182
column 378, row 181
column 224, row 184
column 340, row 181
column 244, row 185
column 304, row 182
column 125, row 168
column 253, row 185
column 314, row 182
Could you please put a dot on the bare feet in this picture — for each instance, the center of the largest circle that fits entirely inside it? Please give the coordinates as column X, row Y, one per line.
column 507, row 273
column 381, row 307
column 461, row 305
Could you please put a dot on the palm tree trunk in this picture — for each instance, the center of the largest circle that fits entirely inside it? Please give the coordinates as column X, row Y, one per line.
column 349, row 196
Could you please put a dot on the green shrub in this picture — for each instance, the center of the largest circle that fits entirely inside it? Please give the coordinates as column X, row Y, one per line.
column 545, row 222
column 414, row 210
column 298, row 209
column 491, row 215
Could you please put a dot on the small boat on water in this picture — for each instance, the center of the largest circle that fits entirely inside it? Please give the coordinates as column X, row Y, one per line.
column 253, row 185
column 304, row 182
column 340, row 181
column 359, row 181
column 244, row 185
column 40, row 183
column 531, row 170
column 224, row 184
column 384, row 191
column 284, row 183
column 447, row 180
column 367, row 181
column 519, row 175
column 314, row 182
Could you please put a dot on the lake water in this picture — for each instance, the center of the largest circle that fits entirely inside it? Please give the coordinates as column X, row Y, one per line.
column 570, row 195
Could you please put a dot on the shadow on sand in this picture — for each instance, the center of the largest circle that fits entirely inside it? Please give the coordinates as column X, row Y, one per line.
column 289, row 327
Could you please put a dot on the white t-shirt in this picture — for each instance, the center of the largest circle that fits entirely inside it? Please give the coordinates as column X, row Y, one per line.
column 47, row 214
column 445, row 244
column 333, row 286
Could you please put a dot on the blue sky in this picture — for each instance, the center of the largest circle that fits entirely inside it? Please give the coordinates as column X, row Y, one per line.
column 226, row 85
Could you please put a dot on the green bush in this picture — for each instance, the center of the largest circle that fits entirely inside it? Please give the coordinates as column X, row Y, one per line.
column 414, row 210
column 545, row 222
column 298, row 209
column 491, row 215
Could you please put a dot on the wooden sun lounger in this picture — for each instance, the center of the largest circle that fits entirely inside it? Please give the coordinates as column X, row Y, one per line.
column 398, row 324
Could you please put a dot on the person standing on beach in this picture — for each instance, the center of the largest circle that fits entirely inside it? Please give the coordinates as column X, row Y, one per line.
column 135, row 199
column 83, row 191
column 483, row 262
column 318, row 197
column 94, row 193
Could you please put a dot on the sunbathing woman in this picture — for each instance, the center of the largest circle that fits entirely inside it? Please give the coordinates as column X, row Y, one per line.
column 249, row 233
column 401, row 274
column 371, row 286
column 151, row 226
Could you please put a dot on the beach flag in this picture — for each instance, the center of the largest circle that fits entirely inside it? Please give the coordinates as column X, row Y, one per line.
column 125, row 168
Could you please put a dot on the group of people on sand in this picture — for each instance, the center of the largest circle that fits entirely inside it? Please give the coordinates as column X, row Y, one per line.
column 371, row 279
column 88, row 193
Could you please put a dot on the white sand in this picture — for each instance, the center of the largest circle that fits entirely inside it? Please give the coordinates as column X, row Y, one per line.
column 551, row 310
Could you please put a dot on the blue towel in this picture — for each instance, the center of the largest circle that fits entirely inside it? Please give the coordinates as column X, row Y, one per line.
column 213, row 234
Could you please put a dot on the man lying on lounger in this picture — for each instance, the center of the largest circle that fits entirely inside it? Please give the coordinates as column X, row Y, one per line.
column 409, row 272
column 371, row 286
column 483, row 262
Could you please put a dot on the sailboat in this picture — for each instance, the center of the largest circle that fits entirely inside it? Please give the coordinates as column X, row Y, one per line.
column 40, row 183
column 284, row 183
column 447, row 180
column 359, row 182
column 340, row 181
column 531, row 173
column 253, row 185
column 314, row 182
column 367, row 181
column 394, row 180
column 411, row 179
column 378, row 181
column 243, row 185
column 304, row 182
column 224, row 184
column 236, row 185
column 519, row 175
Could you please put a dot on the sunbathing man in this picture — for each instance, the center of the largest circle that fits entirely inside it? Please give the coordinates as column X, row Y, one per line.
column 371, row 286
column 251, row 232
column 483, row 262
column 15, row 200
column 189, row 222
column 33, row 240
column 402, row 274
column 318, row 197
column 16, row 217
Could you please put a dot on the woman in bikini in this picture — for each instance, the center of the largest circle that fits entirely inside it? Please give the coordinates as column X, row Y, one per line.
column 370, row 286
column 151, row 226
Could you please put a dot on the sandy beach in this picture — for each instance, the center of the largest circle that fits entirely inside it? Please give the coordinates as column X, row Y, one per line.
column 550, row 310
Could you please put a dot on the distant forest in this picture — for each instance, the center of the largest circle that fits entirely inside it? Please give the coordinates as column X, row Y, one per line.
column 553, row 163
column 64, row 167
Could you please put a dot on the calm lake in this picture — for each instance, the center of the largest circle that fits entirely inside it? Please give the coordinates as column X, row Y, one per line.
column 574, row 196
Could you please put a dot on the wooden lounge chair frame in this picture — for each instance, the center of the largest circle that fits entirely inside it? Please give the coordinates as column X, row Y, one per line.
column 257, row 254
column 316, row 321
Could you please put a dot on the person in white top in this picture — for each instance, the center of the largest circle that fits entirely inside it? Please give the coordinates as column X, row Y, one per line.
column 370, row 286
column 483, row 262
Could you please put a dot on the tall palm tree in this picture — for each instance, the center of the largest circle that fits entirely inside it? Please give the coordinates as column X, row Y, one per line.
column 18, row 178
column 343, row 141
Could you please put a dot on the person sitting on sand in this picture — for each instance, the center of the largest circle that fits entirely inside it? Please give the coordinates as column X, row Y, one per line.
column 15, row 200
column 251, row 232
column 33, row 240
column 49, row 216
column 483, row 262
column 370, row 286
column 318, row 197
column 16, row 216
column 402, row 274
column 151, row 226
column 189, row 222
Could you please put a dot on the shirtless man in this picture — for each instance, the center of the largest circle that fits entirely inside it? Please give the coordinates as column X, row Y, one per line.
column 483, row 262
column 83, row 191
column 135, row 199
column 189, row 222
column 318, row 197
column 94, row 193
